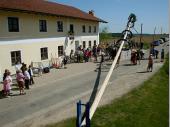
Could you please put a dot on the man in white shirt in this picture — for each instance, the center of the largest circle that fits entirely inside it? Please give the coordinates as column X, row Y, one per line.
column 27, row 79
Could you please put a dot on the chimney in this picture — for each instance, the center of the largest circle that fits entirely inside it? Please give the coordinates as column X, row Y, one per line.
column 91, row 12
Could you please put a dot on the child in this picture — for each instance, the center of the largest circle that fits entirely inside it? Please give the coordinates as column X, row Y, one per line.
column 31, row 75
column 20, row 79
column 150, row 63
column 7, row 84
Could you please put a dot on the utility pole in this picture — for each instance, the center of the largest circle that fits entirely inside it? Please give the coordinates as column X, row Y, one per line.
column 154, row 33
column 141, row 32
column 141, row 43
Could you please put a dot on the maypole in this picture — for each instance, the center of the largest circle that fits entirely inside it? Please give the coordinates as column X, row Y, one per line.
column 127, row 34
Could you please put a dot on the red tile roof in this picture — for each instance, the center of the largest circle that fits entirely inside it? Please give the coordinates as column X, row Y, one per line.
column 46, row 7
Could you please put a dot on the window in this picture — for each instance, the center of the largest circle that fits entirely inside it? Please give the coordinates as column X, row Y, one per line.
column 89, row 44
column 44, row 53
column 43, row 25
column 84, row 44
column 71, row 28
column 13, row 24
column 15, row 57
column 60, row 50
column 83, row 28
column 94, row 42
column 94, row 29
column 59, row 26
column 89, row 29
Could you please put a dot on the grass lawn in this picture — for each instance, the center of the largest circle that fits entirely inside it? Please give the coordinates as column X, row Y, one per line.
column 146, row 106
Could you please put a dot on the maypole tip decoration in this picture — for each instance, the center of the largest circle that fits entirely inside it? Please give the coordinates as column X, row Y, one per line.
column 132, row 18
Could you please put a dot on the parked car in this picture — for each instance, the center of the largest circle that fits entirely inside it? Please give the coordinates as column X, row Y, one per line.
column 156, row 43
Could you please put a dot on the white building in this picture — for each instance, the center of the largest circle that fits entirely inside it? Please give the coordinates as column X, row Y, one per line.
column 37, row 30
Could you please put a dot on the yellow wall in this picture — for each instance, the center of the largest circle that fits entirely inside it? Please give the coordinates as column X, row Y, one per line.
column 29, row 52
column 29, row 26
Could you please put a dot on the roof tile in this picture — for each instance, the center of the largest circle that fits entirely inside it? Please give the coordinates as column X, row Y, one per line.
column 46, row 7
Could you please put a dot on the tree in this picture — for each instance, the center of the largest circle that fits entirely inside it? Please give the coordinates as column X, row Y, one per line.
column 105, row 35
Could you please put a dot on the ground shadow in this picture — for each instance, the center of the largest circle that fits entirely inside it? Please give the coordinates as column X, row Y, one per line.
column 142, row 72
column 15, row 89
column 96, row 62
column 2, row 95
column 16, row 94
column 95, row 88
column 109, row 64
column 102, row 67
column 128, row 65
column 15, row 84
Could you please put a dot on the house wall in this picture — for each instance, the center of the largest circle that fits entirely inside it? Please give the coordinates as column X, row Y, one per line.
column 29, row 26
column 30, row 52
column 29, row 40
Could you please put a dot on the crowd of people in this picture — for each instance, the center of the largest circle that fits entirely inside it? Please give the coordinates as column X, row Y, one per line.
column 24, row 74
column 24, row 78
column 85, row 54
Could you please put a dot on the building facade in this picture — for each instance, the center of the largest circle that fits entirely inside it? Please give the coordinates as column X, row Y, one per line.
column 37, row 31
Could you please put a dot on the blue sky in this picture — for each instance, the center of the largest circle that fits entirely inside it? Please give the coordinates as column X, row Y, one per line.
column 151, row 13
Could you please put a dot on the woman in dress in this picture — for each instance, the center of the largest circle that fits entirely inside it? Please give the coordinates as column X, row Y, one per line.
column 7, row 84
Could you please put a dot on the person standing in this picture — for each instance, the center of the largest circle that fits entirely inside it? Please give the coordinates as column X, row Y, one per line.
column 18, row 66
column 156, row 54
column 5, row 74
column 31, row 75
column 95, row 52
column 102, row 55
column 150, row 63
column 7, row 84
column 71, row 56
column 27, row 78
column 20, row 80
column 162, row 55
column 78, row 55
column 64, row 61
column 138, row 56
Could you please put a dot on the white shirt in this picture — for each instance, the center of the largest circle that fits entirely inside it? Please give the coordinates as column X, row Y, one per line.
column 17, row 67
column 27, row 75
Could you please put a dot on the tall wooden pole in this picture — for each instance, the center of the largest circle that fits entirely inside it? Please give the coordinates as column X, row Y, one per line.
column 141, row 32
column 154, row 33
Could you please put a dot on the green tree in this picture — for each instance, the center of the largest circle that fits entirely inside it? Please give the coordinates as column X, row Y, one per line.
column 105, row 35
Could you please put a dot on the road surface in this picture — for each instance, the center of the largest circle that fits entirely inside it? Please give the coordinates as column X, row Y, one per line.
column 54, row 96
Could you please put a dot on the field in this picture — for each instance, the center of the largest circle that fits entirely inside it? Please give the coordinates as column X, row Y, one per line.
column 147, row 39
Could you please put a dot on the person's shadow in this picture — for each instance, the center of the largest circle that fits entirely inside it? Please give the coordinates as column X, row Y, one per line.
column 142, row 72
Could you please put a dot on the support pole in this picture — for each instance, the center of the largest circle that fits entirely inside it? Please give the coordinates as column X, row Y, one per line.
column 88, row 114
column 78, row 124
